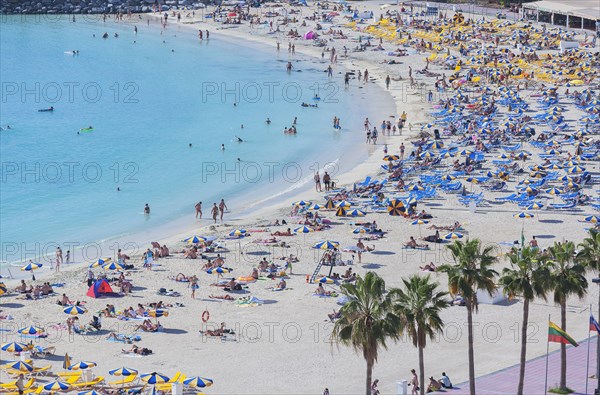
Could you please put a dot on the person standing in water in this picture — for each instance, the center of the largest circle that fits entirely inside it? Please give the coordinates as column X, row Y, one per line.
column 198, row 208
column 318, row 182
column 222, row 208
column 147, row 209
column 215, row 212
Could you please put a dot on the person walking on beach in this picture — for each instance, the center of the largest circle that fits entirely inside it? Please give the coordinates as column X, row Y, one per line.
column 329, row 71
column 194, row 285
column 366, row 75
column 198, row 208
column 374, row 136
column 369, row 136
column 414, row 382
column 59, row 255
column 367, row 124
column 402, row 148
column 68, row 257
column 388, row 80
column 318, row 182
column 222, row 208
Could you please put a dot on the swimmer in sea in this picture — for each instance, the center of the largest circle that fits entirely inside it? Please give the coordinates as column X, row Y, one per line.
column 239, row 140
column 223, row 147
column 268, row 121
column 242, row 127
column 239, row 160
column 146, row 209
column 118, row 189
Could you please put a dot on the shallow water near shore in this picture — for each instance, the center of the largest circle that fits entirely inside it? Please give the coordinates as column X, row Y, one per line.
column 148, row 96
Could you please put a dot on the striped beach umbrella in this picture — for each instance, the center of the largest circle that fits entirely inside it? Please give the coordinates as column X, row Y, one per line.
column 554, row 191
column 315, row 206
column 3, row 289
column 123, row 371
column 436, row 145
column 355, row 213
column 237, row 232
column 194, row 239
column 219, row 270
column 553, row 152
column 31, row 330
column 303, row 229
column 340, row 212
column 99, row 262
column 326, row 280
column 329, row 204
column 14, row 347
column 31, row 266
column 92, row 392
column 344, row 204
column 553, row 166
column 419, row 222
column 158, row 313
column 573, row 185
column 523, row 215
column 20, row 366
column 576, row 169
column 326, row 245
column 199, row 382
column 154, row 378
column 453, row 236
column 57, row 386
column 414, row 187
column 360, row 229
column 83, row 365
column 396, row 207
column 592, row 218
column 388, row 158
column 302, row 203
column 448, row 177
column 535, row 206
column 75, row 310
column 113, row 266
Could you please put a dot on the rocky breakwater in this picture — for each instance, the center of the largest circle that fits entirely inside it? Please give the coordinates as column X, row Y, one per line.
column 90, row 6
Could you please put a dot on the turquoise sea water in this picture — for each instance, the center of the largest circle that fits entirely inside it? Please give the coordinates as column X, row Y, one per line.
column 148, row 96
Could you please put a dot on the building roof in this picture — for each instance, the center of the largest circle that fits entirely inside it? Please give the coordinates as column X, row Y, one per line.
column 588, row 9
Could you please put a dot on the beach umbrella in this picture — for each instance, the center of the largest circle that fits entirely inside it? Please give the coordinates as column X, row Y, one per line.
column 537, row 174
column 329, row 205
column 447, row 155
column 92, row 392
column 522, row 155
column 523, row 215
column 573, row 185
column 531, row 190
column 194, row 239
column 99, row 262
column 535, row 206
column 592, row 218
column 123, row 371
column 3, row 289
column 237, row 232
column 344, row 204
column 75, row 310
column 31, row 330
column 315, row 207
column 303, row 229
column 83, row 365
column 427, row 155
column 553, row 152
column 576, row 169
column 388, row 158
column 301, row 203
column 503, row 156
column 355, row 213
column 31, row 266
column 113, row 266
column 419, row 222
column 57, row 386
column 326, row 245
column 465, row 152
column 154, row 378
column 554, row 191
column 571, row 163
column 554, row 166
column 414, row 187
column 396, row 207
column 20, row 366
column 158, row 313
column 219, row 270
column 199, row 382
column 66, row 361
column 15, row 347
column 453, row 236
column 448, row 177
column 340, row 212
column 437, row 145
column 360, row 229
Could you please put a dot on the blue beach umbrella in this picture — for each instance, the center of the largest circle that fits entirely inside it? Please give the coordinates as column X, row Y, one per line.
column 453, row 236
column 523, row 215
column 75, row 310
column 219, row 270
column 123, row 371
column 99, row 262
column 14, row 347
column 238, row 232
column 343, row 204
column 302, row 203
column 20, row 366
column 360, row 229
column 113, row 266
column 326, row 245
column 194, row 239
column 31, row 330
column 326, row 280
column 57, row 386
column 199, row 382
column 355, row 213
column 154, row 378
column 83, row 365
column 303, row 229
column 592, row 218
column 31, row 266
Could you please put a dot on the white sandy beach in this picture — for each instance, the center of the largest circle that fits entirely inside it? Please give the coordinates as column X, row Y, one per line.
column 282, row 346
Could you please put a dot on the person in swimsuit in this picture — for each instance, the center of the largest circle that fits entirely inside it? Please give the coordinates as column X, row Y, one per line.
column 198, row 208
column 215, row 212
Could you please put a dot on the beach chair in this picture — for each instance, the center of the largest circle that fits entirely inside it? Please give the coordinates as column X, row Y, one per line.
column 39, row 351
column 42, row 371
column 13, row 385
column 69, row 374
column 88, row 384
column 165, row 387
column 127, row 381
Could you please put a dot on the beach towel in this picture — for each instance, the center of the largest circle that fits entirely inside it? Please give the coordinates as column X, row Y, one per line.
column 132, row 356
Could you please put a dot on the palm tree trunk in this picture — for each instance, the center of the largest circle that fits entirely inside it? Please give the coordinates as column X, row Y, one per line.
column 421, row 370
column 523, row 346
column 471, row 353
column 369, row 376
column 563, row 347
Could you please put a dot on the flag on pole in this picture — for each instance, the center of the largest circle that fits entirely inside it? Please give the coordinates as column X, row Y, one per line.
column 594, row 326
column 557, row 335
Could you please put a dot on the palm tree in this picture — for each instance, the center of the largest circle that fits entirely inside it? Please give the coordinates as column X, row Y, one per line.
column 589, row 255
column 471, row 272
column 526, row 278
column 567, row 278
column 367, row 321
column 419, row 305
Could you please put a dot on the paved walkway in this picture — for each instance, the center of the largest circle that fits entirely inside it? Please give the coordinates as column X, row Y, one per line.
column 505, row 381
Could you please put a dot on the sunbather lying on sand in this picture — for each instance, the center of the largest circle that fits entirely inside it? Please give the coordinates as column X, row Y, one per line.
column 137, row 350
column 224, row 297
column 430, row 267
column 181, row 278
column 221, row 331
column 412, row 243
column 148, row 326
column 454, row 227
column 335, row 315
column 433, row 238
column 288, row 232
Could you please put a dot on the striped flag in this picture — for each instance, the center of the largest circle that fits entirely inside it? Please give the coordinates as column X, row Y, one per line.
column 594, row 326
column 557, row 335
